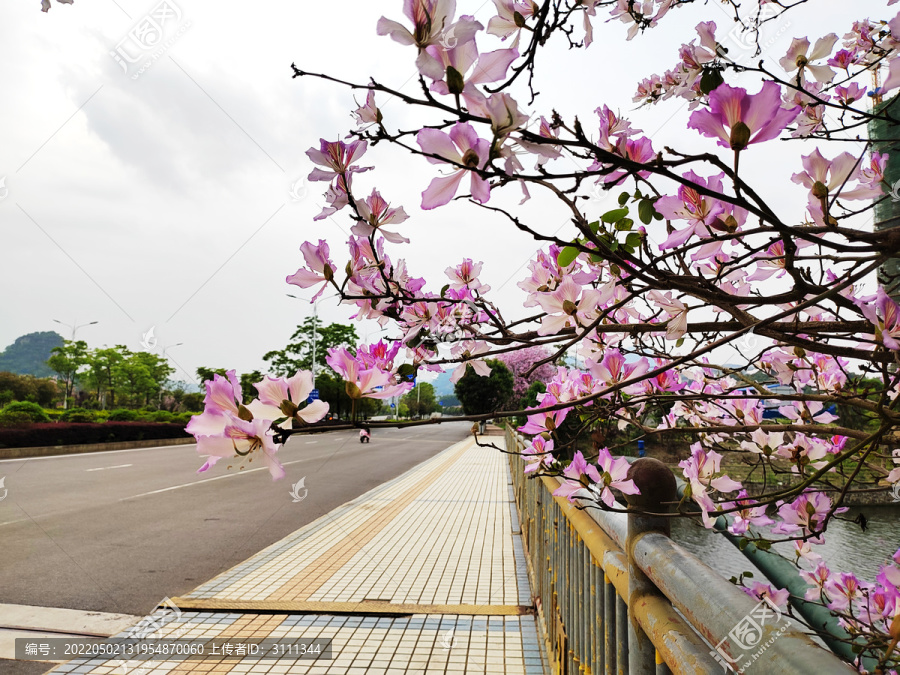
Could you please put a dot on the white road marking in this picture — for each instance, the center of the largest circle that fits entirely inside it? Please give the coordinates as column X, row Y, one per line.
column 104, row 468
column 311, row 442
column 207, row 480
column 10, row 522
column 97, row 452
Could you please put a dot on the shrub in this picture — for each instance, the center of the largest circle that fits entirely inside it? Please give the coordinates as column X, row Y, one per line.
column 162, row 416
column 63, row 433
column 122, row 415
column 185, row 417
column 14, row 419
column 34, row 412
column 77, row 416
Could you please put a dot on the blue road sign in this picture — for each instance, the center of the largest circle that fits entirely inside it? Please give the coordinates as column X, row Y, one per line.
column 313, row 396
column 392, row 405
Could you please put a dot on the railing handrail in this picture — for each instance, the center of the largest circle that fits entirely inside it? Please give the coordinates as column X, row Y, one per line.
column 688, row 606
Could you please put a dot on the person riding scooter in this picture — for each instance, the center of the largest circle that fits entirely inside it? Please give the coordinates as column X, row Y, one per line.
column 364, row 435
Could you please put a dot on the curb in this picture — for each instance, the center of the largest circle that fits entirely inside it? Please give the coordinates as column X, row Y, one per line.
column 50, row 450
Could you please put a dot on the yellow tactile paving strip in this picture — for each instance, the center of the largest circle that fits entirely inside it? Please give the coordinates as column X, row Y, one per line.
column 437, row 542
column 439, row 535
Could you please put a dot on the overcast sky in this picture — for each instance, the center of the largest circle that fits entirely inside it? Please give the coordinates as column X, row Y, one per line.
column 172, row 198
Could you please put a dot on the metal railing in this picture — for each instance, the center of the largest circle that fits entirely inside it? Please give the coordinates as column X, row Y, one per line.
column 617, row 596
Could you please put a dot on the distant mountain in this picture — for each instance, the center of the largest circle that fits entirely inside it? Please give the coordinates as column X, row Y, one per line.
column 29, row 353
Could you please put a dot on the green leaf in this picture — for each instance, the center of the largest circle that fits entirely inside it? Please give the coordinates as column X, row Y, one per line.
column 595, row 226
column 567, row 256
column 623, row 198
column 679, row 342
column 625, row 224
column 444, row 290
column 645, row 211
column 613, row 246
column 763, row 544
column 633, row 240
column 749, row 575
column 614, row 215
column 710, row 80
column 657, row 215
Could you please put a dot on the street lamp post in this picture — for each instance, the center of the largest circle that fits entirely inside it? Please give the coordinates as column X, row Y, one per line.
column 165, row 349
column 74, row 326
column 315, row 328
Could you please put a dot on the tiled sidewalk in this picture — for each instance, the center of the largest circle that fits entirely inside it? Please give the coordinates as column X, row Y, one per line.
column 423, row 574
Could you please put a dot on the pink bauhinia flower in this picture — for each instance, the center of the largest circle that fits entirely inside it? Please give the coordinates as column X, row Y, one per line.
column 244, row 440
column 376, row 212
column 884, row 313
column 465, row 275
column 738, row 119
column 429, row 17
column 456, row 67
column 747, row 515
column 506, row 22
column 223, row 401
column 614, row 474
column 569, row 305
column 638, row 150
column 676, row 310
column 845, row 590
column 319, row 267
column 545, row 421
column 700, row 471
column 539, row 453
column 576, row 471
column 805, row 514
column 614, row 369
column 799, row 57
column 468, row 350
column 827, row 179
column 281, row 397
column 849, row 94
column 463, row 147
column 368, row 113
column 337, row 157
column 379, row 355
column 762, row 591
column 364, row 382
column 816, row 579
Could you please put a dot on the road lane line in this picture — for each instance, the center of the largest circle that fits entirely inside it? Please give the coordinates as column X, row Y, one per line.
column 104, row 468
column 208, row 480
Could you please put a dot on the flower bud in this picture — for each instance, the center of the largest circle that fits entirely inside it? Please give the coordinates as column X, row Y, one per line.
column 352, row 390
column 819, row 190
column 570, row 307
column 740, row 136
column 455, row 81
column 470, row 159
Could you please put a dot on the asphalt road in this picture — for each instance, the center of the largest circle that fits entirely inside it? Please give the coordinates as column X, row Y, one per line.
column 119, row 531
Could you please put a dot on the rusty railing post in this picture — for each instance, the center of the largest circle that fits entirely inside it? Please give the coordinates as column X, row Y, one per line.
column 658, row 492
